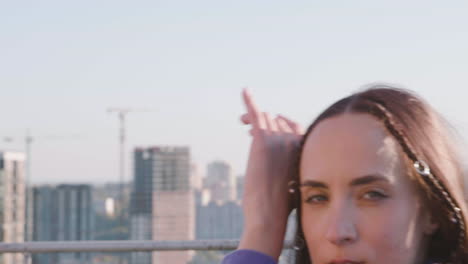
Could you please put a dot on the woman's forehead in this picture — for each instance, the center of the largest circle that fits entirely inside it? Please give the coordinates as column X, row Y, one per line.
column 350, row 145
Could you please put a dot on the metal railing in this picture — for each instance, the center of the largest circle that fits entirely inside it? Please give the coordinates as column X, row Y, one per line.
column 121, row 246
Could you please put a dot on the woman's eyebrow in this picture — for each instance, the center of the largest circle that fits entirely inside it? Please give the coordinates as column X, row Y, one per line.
column 367, row 179
column 312, row 183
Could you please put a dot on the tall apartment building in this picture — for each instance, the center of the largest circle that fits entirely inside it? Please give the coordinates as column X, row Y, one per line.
column 141, row 202
column 63, row 213
column 162, row 203
column 12, row 202
column 220, row 181
column 44, row 200
column 174, row 219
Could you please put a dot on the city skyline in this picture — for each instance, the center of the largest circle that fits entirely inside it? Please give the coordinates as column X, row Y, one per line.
column 172, row 208
column 64, row 64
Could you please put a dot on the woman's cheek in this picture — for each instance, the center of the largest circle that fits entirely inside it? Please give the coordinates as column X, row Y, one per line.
column 314, row 225
column 392, row 231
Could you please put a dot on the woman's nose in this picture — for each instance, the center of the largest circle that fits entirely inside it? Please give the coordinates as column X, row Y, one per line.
column 341, row 230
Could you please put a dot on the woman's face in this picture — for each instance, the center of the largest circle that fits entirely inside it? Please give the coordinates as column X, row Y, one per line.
column 358, row 205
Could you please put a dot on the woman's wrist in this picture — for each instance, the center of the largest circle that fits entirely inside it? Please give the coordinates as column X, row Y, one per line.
column 267, row 239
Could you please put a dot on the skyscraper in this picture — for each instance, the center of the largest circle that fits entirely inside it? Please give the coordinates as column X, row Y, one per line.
column 44, row 220
column 141, row 201
column 63, row 213
column 162, row 206
column 12, row 202
column 174, row 219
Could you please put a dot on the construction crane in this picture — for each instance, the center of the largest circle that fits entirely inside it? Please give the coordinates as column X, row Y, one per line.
column 122, row 113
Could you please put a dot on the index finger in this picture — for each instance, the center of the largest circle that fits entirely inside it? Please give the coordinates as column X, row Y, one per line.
column 252, row 110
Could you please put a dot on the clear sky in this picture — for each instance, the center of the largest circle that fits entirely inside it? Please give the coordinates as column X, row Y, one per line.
column 63, row 63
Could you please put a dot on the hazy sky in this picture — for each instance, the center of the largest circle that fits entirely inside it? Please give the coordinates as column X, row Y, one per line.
column 63, row 63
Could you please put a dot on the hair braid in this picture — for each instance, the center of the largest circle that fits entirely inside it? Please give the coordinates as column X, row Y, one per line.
column 378, row 110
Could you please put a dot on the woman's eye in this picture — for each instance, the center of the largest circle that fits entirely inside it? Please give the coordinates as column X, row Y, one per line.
column 374, row 195
column 316, row 199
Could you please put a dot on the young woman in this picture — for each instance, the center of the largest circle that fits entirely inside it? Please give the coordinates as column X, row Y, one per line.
column 375, row 180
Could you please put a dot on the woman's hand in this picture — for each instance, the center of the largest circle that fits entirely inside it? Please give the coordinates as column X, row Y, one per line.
column 266, row 198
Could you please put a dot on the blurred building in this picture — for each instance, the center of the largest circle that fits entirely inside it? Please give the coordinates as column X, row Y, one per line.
column 141, row 201
column 12, row 202
column 219, row 220
column 218, row 212
column 111, row 220
column 106, row 200
column 240, row 187
column 142, row 190
column 63, row 213
column 221, row 181
column 202, row 197
column 196, row 177
column 28, row 212
column 161, row 199
column 174, row 213
column 45, row 220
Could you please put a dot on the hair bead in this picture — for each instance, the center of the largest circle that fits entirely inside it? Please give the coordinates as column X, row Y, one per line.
column 292, row 185
column 422, row 168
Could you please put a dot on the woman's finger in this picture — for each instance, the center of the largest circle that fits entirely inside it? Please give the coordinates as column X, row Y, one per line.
column 255, row 116
column 245, row 119
column 270, row 124
column 295, row 127
column 282, row 125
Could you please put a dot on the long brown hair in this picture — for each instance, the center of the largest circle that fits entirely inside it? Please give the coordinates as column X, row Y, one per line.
column 425, row 142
